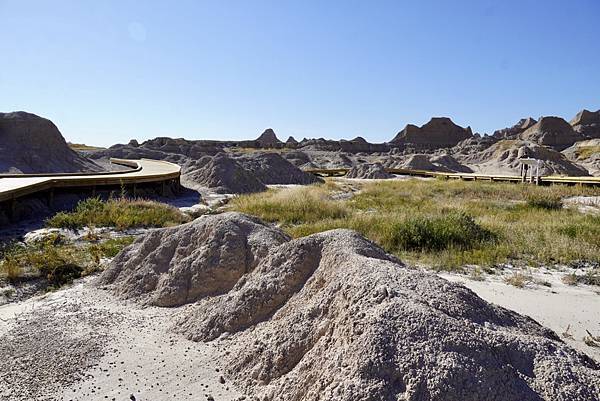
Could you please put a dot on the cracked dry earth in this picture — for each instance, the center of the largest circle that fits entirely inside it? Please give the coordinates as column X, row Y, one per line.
column 82, row 344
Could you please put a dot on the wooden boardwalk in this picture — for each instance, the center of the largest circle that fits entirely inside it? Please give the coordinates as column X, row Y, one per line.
column 14, row 186
column 591, row 181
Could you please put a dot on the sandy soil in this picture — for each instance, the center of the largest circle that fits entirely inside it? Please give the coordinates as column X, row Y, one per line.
column 557, row 307
column 82, row 344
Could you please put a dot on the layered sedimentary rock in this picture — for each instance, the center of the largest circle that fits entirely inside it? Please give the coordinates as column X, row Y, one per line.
column 515, row 130
column 587, row 123
column 586, row 154
column 503, row 157
column 271, row 168
column 223, row 174
column 554, row 132
column 439, row 132
column 331, row 316
column 32, row 144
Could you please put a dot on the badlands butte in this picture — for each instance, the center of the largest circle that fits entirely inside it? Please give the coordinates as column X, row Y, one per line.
column 263, row 281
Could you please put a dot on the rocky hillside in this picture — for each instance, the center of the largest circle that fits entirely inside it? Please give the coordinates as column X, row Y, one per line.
column 212, row 165
column 439, row 132
column 553, row 132
column 331, row 316
column 503, row 158
column 587, row 123
column 32, row 144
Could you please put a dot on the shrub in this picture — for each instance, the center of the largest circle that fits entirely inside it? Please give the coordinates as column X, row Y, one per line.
column 455, row 230
column 119, row 213
column 518, row 280
column 544, row 201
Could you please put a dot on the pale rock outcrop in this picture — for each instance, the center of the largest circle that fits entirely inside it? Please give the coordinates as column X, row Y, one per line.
column 331, row 316
column 369, row 171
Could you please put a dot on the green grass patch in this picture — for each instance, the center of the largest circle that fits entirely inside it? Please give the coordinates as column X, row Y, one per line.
column 446, row 224
column 119, row 213
column 455, row 230
column 546, row 201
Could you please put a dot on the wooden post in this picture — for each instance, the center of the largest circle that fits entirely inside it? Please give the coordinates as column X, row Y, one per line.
column 51, row 198
column 12, row 210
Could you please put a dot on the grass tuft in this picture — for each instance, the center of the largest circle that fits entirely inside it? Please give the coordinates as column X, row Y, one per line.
column 120, row 213
column 545, row 201
column 455, row 230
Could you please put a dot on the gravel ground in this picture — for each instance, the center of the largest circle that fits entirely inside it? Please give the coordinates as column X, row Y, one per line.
column 81, row 344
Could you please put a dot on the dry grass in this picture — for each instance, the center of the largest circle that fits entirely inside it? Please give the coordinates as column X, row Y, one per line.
column 81, row 146
column 518, row 280
column 59, row 263
column 417, row 220
column 585, row 152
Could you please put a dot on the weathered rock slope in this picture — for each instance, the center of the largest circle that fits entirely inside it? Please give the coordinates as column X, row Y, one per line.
column 222, row 174
column 587, row 123
column 32, row 144
column 369, row 171
column 331, row 316
column 439, row 132
column 271, row 168
column 503, row 157
column 552, row 131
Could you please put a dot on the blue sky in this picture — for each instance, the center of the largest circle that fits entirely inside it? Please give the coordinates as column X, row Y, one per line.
column 108, row 71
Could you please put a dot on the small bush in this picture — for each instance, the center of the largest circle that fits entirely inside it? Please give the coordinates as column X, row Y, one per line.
column 10, row 267
column 455, row 230
column 544, row 201
column 570, row 279
column 518, row 280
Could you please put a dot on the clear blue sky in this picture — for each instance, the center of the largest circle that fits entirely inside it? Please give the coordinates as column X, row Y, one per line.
column 108, row 71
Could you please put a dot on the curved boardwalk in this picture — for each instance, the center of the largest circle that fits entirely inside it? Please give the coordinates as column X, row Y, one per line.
column 13, row 186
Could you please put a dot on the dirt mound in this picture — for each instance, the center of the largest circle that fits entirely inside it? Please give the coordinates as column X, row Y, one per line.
column 503, row 157
column 423, row 162
column 439, row 132
column 369, row 171
column 587, row 123
column 271, row 168
column 170, row 267
column 331, row 316
column 552, row 131
column 32, row 144
column 222, row 174
column 448, row 162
